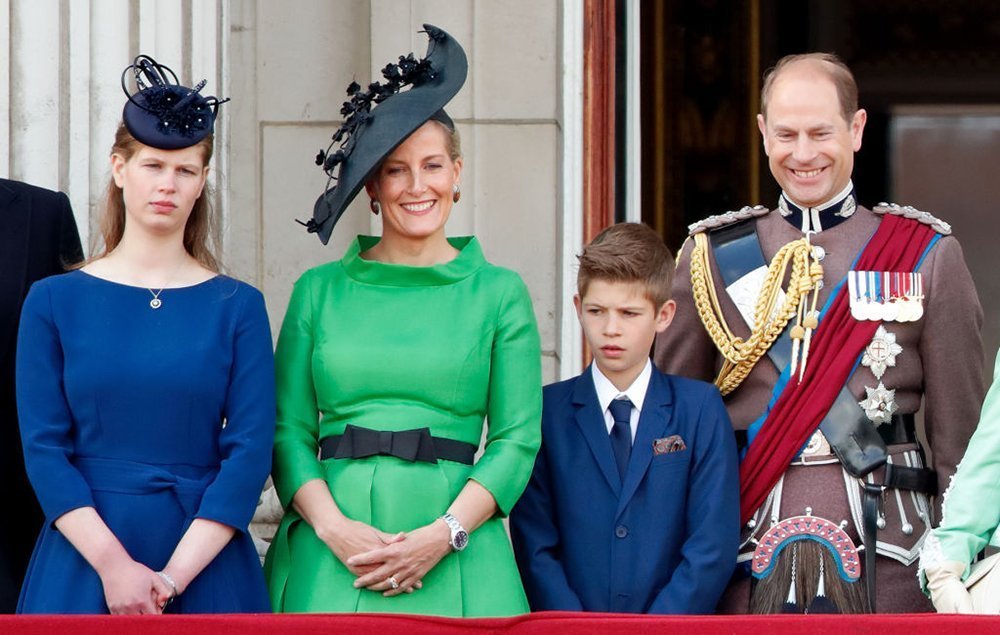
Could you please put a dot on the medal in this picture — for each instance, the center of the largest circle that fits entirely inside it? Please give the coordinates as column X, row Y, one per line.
column 918, row 296
column 881, row 352
column 885, row 296
column 854, row 295
column 907, row 310
column 890, row 305
column 861, row 292
column 872, row 310
column 880, row 404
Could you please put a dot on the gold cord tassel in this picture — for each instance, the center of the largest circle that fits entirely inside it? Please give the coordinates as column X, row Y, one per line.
column 740, row 356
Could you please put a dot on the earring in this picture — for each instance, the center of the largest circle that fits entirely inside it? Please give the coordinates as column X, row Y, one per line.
column 375, row 207
column 456, row 193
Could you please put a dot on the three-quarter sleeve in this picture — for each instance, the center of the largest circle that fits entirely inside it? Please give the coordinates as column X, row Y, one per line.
column 44, row 412
column 515, row 400
column 245, row 443
column 296, row 443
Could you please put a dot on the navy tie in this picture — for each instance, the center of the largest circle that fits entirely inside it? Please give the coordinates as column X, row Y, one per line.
column 621, row 433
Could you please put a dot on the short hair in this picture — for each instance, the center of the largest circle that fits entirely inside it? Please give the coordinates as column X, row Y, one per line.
column 836, row 71
column 631, row 253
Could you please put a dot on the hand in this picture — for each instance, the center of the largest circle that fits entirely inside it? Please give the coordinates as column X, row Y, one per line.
column 948, row 593
column 131, row 588
column 352, row 537
column 406, row 561
column 173, row 590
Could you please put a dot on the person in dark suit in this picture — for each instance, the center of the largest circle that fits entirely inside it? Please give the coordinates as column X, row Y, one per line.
column 38, row 238
column 632, row 506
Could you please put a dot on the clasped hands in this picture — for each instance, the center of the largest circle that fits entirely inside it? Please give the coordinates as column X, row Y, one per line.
column 131, row 588
column 389, row 563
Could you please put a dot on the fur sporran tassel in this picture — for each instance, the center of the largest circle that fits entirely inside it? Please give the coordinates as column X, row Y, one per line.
column 790, row 605
column 800, row 571
column 821, row 603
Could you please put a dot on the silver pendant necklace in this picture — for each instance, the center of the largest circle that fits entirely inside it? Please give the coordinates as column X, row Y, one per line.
column 156, row 302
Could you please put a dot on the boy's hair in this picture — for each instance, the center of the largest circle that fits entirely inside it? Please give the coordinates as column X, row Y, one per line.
column 628, row 252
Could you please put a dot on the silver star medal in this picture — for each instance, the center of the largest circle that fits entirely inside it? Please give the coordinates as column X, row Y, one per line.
column 880, row 404
column 881, row 352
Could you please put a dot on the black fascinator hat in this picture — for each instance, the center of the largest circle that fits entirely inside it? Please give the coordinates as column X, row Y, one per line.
column 162, row 113
column 382, row 117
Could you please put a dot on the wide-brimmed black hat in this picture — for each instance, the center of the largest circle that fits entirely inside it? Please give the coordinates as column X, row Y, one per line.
column 381, row 118
column 162, row 113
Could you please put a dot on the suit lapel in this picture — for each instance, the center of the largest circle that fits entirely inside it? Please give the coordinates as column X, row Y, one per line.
column 657, row 410
column 590, row 420
column 14, row 237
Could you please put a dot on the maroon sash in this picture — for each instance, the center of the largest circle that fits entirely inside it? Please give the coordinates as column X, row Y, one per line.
column 897, row 245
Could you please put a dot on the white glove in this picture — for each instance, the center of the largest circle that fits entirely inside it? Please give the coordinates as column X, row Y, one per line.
column 948, row 593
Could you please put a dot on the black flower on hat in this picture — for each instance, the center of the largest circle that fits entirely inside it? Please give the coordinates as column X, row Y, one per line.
column 163, row 114
column 379, row 118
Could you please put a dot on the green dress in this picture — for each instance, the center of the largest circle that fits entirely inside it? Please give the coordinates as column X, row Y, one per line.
column 394, row 347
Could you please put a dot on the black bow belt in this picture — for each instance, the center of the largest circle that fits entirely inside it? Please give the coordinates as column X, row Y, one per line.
column 409, row 445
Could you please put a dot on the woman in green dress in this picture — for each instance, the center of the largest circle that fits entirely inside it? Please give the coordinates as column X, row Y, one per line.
column 388, row 362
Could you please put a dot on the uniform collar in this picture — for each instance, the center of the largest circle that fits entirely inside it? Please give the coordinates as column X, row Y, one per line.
column 816, row 219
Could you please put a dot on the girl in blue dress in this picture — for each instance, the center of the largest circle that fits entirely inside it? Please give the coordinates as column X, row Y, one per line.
column 145, row 387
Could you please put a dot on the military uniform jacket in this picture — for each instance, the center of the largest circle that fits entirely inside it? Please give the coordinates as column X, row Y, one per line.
column 940, row 363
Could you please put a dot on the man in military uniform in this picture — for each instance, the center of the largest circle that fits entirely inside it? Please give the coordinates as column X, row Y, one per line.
column 825, row 323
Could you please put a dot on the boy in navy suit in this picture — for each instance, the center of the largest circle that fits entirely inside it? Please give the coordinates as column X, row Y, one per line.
column 633, row 503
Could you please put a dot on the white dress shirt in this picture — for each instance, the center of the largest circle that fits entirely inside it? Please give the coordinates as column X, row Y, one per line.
column 636, row 393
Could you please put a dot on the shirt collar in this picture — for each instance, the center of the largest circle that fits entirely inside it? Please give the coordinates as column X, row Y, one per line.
column 636, row 393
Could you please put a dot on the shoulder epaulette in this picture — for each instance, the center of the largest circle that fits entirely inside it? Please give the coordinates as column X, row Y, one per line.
column 728, row 218
column 908, row 211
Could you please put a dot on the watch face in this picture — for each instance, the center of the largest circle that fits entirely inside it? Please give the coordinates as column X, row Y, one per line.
column 459, row 540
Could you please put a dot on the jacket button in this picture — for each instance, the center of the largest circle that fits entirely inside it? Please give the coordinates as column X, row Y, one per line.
column 621, row 531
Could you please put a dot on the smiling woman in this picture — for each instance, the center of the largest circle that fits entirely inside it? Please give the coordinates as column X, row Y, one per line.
column 388, row 362
column 415, row 188
column 145, row 389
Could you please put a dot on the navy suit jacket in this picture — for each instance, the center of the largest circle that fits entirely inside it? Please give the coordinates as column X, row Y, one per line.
column 664, row 540
column 38, row 238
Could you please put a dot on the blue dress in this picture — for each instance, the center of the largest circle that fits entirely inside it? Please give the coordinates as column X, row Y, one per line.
column 152, row 416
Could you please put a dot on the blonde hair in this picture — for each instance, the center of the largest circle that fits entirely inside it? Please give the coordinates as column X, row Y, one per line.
column 452, row 141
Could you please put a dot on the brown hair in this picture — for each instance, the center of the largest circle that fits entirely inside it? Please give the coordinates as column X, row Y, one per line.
column 201, row 233
column 631, row 253
column 832, row 66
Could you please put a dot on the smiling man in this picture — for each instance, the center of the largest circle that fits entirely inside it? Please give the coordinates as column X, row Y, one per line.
column 825, row 324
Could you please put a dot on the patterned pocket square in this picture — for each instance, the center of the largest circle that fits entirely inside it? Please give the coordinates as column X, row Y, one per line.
column 666, row 445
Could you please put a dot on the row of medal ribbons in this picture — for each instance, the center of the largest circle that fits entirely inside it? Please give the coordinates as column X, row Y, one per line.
column 890, row 296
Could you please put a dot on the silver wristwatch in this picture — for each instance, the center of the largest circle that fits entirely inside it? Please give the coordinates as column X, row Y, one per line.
column 459, row 537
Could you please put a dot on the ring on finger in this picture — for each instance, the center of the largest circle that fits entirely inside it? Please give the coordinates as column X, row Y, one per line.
column 392, row 582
